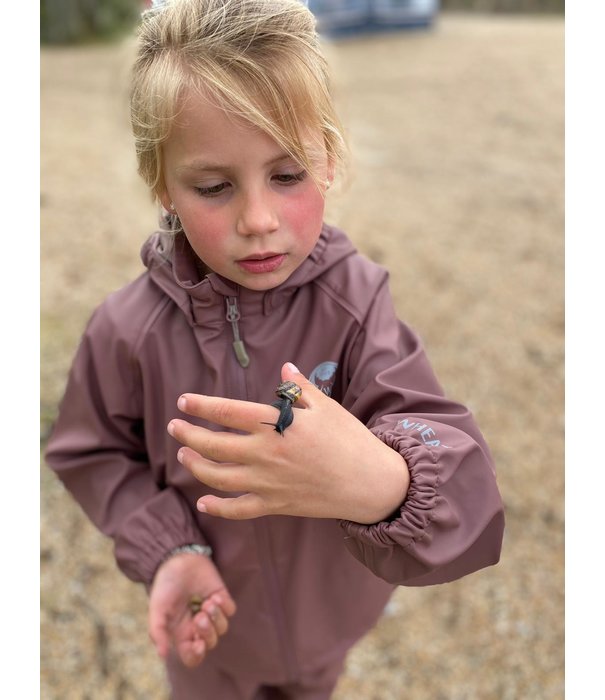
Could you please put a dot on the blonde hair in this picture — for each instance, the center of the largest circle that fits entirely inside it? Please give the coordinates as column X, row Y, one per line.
column 258, row 59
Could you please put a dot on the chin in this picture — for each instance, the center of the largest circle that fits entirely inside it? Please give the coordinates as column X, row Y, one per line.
column 259, row 285
column 264, row 283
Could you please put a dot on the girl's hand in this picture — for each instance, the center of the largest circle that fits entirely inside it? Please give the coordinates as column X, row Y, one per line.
column 171, row 622
column 326, row 465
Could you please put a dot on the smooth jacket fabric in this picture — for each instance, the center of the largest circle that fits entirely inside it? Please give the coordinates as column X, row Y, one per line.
column 306, row 589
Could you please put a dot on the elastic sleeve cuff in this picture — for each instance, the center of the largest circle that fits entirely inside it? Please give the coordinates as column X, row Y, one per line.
column 411, row 521
column 162, row 524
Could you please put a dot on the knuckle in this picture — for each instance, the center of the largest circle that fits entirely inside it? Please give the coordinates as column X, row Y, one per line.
column 222, row 482
column 219, row 448
column 223, row 412
column 239, row 511
column 208, row 448
column 278, row 508
column 269, row 507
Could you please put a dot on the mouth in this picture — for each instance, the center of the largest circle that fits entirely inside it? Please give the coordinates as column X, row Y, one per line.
column 262, row 262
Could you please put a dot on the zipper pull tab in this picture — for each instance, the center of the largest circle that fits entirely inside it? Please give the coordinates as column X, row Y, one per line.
column 233, row 316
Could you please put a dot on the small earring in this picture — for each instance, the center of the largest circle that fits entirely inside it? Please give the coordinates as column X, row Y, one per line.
column 328, row 184
column 172, row 207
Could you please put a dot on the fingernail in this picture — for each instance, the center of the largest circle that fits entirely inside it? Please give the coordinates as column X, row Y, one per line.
column 170, row 428
column 292, row 367
column 201, row 507
column 181, row 403
column 180, row 455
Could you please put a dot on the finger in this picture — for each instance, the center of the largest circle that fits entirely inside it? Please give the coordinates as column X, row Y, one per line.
column 241, row 508
column 225, row 602
column 207, row 629
column 310, row 393
column 219, row 620
column 222, row 477
column 191, row 651
column 230, row 413
column 217, row 446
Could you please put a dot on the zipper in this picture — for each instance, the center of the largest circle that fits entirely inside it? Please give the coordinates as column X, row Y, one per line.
column 270, row 573
column 233, row 316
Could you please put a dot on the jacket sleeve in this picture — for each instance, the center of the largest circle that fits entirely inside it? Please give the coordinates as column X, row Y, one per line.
column 451, row 522
column 97, row 448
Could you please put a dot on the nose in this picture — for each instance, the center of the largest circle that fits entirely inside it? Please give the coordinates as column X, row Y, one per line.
column 257, row 215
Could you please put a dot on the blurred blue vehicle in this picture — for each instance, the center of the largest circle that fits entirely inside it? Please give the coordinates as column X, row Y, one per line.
column 346, row 16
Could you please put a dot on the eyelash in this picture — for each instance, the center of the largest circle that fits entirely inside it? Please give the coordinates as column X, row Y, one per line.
column 285, row 179
column 213, row 191
column 292, row 178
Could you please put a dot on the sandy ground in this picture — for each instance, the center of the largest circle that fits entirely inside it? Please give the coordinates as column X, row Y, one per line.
column 457, row 188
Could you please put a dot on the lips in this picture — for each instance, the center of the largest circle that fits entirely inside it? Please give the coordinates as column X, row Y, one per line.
column 263, row 262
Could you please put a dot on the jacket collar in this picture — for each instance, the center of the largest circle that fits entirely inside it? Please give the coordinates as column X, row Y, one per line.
column 176, row 269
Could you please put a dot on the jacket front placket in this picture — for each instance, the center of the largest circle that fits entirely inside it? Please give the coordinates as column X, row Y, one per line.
column 219, row 318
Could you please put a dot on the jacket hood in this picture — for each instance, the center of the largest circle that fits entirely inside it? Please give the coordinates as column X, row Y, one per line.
column 176, row 270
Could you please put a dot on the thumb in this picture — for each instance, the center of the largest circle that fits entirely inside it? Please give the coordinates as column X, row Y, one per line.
column 310, row 393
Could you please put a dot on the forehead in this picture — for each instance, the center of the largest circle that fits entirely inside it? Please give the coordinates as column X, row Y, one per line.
column 205, row 130
column 203, row 126
column 197, row 108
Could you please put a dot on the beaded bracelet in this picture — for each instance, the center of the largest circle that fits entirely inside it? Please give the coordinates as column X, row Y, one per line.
column 202, row 549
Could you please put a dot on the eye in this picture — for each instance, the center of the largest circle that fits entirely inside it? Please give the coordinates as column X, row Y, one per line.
column 290, row 178
column 212, row 191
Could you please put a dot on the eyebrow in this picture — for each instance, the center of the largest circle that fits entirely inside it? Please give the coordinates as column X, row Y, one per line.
column 209, row 166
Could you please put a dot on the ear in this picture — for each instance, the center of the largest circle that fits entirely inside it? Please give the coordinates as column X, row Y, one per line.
column 331, row 171
column 165, row 200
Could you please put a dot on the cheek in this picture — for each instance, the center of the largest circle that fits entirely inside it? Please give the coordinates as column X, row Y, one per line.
column 208, row 231
column 305, row 215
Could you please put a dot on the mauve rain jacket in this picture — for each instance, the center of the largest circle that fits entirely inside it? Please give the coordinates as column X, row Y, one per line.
column 306, row 589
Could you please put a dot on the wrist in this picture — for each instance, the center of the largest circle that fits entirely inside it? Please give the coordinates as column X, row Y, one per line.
column 185, row 549
column 390, row 480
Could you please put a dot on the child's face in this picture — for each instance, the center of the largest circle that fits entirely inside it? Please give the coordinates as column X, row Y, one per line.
column 248, row 209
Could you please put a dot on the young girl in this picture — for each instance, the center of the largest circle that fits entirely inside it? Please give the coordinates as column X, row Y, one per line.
column 270, row 537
